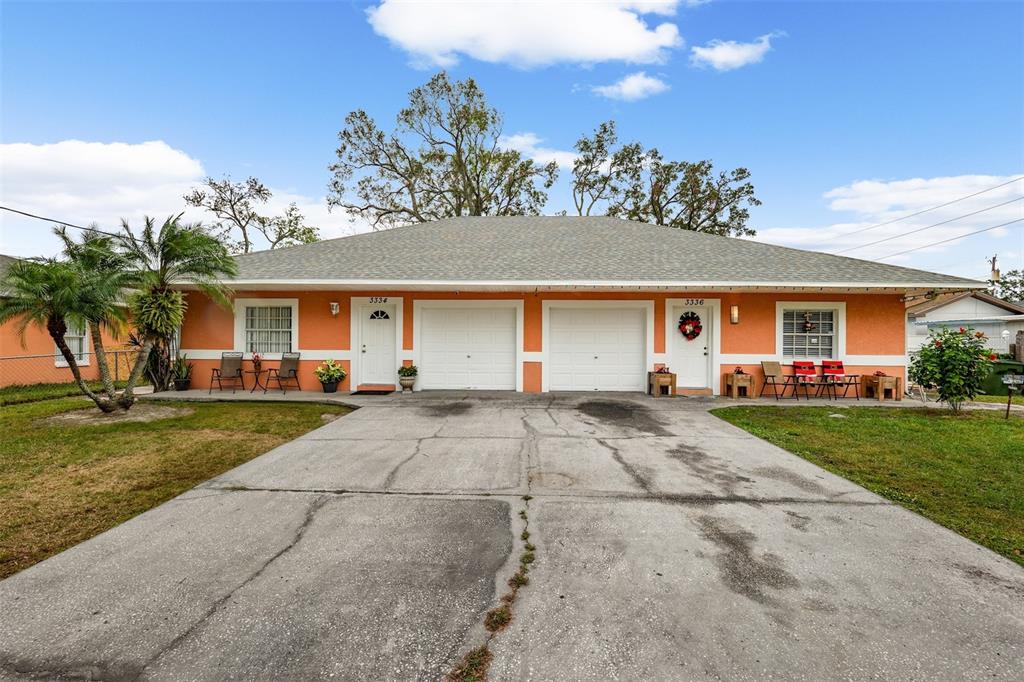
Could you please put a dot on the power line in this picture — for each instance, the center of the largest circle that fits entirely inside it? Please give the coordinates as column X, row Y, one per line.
column 951, row 239
column 928, row 227
column 948, row 203
column 61, row 222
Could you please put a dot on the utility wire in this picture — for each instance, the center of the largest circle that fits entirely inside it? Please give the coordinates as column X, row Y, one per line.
column 61, row 222
column 927, row 227
column 911, row 215
column 951, row 239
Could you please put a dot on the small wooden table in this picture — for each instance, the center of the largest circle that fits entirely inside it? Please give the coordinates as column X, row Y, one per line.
column 657, row 380
column 875, row 387
column 737, row 383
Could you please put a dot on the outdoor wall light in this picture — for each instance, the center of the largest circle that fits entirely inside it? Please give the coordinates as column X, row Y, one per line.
column 734, row 314
column 335, row 308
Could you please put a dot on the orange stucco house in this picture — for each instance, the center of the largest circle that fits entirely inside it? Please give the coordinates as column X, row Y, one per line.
column 540, row 304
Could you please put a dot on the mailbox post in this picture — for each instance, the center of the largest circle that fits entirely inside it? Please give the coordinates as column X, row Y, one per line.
column 1013, row 383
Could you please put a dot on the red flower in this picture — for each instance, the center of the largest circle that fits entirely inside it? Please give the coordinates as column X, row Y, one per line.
column 992, row 356
column 962, row 330
column 938, row 344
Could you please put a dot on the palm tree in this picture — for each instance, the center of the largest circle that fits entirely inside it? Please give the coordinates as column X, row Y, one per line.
column 161, row 258
column 51, row 294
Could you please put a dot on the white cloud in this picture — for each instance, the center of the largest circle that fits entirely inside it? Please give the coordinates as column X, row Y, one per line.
column 633, row 87
column 97, row 182
column 726, row 55
column 530, row 145
column 876, row 201
column 528, row 34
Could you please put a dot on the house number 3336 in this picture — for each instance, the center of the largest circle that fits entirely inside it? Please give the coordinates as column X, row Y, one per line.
column 694, row 301
column 378, row 299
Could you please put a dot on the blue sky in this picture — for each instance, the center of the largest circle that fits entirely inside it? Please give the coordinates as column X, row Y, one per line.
column 857, row 113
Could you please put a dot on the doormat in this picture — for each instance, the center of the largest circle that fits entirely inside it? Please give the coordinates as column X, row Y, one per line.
column 373, row 393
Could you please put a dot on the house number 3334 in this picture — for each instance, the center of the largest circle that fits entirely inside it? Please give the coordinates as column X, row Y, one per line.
column 378, row 299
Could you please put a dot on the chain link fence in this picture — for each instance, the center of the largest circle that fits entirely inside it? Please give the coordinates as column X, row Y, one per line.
column 46, row 375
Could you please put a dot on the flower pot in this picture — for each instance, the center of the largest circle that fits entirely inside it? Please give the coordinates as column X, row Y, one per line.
column 407, row 383
column 330, row 387
column 182, row 384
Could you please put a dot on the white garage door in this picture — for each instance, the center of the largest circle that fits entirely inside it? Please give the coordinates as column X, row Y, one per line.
column 468, row 348
column 596, row 349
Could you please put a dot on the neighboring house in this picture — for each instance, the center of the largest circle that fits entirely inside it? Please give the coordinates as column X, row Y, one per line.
column 556, row 303
column 33, row 358
column 978, row 309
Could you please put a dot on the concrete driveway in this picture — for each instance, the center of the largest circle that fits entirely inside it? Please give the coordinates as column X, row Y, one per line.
column 670, row 545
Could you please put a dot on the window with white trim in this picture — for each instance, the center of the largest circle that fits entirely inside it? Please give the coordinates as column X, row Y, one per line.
column 809, row 333
column 77, row 339
column 268, row 328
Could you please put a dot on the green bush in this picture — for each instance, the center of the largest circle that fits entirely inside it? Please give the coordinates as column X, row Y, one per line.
column 954, row 362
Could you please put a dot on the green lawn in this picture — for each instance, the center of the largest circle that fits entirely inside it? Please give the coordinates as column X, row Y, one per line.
column 63, row 483
column 965, row 471
column 16, row 395
column 1018, row 399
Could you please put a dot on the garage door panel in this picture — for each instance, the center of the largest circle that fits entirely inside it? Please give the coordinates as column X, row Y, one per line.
column 596, row 349
column 472, row 348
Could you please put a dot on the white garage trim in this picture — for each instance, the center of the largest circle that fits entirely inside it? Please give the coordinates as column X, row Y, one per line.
column 714, row 348
column 546, row 306
column 355, row 319
column 419, row 305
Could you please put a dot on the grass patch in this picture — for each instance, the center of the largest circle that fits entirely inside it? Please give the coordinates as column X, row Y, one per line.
column 498, row 618
column 473, row 667
column 19, row 394
column 1018, row 399
column 963, row 471
column 62, row 483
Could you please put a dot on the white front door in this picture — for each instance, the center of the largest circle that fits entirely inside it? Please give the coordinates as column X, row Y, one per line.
column 471, row 347
column 377, row 364
column 596, row 349
column 690, row 359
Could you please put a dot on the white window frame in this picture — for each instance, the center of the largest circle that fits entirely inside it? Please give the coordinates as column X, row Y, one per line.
column 838, row 337
column 242, row 303
column 58, row 359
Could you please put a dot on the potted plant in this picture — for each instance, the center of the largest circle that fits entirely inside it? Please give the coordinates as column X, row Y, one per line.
column 330, row 374
column 407, row 377
column 257, row 362
column 182, row 373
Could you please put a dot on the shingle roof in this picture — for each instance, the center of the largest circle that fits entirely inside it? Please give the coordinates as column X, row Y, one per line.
column 5, row 263
column 567, row 249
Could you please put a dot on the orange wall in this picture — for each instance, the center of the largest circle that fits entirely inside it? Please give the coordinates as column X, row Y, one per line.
column 17, row 366
column 874, row 323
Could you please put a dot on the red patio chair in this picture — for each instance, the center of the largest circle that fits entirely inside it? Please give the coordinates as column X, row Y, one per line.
column 805, row 375
column 833, row 375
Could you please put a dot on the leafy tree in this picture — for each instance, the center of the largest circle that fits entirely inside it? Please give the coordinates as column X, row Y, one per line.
column 91, row 283
column 630, row 182
column 443, row 158
column 1010, row 286
column 954, row 361
column 236, row 206
column 162, row 258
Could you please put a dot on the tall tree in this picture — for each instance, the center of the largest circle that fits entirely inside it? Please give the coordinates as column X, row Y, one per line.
column 444, row 158
column 631, row 182
column 1010, row 286
column 236, row 206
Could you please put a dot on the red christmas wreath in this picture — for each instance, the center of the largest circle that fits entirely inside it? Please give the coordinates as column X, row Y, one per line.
column 690, row 326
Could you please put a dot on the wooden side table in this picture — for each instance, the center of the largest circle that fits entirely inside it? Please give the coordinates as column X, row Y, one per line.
column 876, row 387
column 740, row 385
column 657, row 380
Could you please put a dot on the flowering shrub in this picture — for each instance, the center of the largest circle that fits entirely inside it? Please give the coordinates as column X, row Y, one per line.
column 955, row 362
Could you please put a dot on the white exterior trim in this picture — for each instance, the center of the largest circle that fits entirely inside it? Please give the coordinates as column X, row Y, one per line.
column 420, row 304
column 355, row 332
column 714, row 348
column 239, row 312
column 533, row 356
column 58, row 359
column 840, row 331
column 316, row 354
column 548, row 304
column 402, row 284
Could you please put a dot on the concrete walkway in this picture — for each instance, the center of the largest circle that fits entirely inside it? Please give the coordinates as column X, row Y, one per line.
column 670, row 545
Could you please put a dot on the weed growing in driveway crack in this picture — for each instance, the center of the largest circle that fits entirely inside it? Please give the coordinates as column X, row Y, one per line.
column 473, row 666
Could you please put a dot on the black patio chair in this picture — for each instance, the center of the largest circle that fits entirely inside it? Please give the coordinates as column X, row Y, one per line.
column 230, row 370
column 288, row 371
